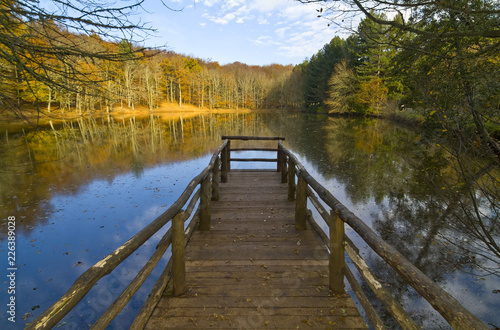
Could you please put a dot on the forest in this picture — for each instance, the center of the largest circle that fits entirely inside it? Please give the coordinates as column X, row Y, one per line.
column 441, row 62
column 146, row 78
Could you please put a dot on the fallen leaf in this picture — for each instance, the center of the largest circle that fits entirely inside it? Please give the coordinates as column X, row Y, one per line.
column 344, row 312
column 307, row 322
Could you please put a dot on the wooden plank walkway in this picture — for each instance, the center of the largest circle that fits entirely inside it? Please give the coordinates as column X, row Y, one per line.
column 253, row 269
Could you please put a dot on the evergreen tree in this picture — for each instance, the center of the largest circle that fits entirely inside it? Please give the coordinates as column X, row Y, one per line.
column 319, row 71
column 374, row 46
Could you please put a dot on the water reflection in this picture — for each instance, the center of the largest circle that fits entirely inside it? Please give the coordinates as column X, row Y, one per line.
column 411, row 195
column 83, row 188
column 38, row 164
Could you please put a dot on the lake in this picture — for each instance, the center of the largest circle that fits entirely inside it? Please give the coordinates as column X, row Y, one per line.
column 80, row 189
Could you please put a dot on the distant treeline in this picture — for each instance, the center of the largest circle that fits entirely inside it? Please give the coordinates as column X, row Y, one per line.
column 135, row 76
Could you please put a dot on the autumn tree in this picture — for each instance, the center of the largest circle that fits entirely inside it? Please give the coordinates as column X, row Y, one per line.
column 343, row 89
column 39, row 46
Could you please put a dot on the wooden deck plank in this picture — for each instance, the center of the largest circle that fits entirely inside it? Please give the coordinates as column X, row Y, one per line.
column 253, row 269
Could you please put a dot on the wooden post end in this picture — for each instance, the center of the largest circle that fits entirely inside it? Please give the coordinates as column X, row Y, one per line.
column 337, row 261
column 301, row 204
column 178, row 259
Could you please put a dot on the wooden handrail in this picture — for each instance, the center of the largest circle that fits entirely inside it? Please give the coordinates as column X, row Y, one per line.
column 226, row 153
column 254, row 138
column 393, row 306
column 454, row 313
column 85, row 282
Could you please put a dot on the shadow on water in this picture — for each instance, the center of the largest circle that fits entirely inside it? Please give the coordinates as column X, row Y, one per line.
column 83, row 188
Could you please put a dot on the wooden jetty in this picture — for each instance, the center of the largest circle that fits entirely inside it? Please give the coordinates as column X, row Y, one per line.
column 251, row 255
column 253, row 269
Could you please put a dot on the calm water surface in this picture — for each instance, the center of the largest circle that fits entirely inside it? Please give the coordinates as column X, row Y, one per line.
column 82, row 189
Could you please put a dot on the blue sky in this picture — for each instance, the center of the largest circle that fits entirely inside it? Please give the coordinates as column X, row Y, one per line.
column 256, row 32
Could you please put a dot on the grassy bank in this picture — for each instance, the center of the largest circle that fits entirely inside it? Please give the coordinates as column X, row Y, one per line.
column 16, row 119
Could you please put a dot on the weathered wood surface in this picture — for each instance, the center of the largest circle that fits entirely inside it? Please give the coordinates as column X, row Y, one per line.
column 253, row 269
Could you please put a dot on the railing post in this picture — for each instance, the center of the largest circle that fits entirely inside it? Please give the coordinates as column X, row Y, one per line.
column 225, row 161
column 282, row 160
column 337, row 261
column 291, row 180
column 178, row 260
column 215, row 180
column 279, row 155
column 301, row 204
column 228, row 151
column 205, row 205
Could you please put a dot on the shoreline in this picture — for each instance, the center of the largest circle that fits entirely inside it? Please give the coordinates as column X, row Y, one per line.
column 16, row 120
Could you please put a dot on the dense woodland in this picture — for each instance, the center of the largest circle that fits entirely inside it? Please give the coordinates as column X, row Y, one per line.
column 137, row 77
column 380, row 68
column 150, row 78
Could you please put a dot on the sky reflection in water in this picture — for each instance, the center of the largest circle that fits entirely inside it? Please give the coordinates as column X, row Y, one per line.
column 99, row 183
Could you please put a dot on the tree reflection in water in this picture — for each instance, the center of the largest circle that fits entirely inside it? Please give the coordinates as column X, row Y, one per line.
column 413, row 193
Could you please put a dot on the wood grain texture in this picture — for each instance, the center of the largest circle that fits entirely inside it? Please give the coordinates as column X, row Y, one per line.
column 253, row 269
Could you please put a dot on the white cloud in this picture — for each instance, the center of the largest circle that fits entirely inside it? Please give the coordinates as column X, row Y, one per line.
column 287, row 10
column 264, row 30
column 266, row 6
column 307, row 40
column 230, row 11
column 233, row 3
column 265, row 41
column 208, row 3
column 299, row 12
column 262, row 21
column 281, row 31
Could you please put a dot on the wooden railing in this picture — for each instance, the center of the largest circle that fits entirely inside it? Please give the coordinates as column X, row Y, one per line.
column 226, row 153
column 175, row 236
column 301, row 187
